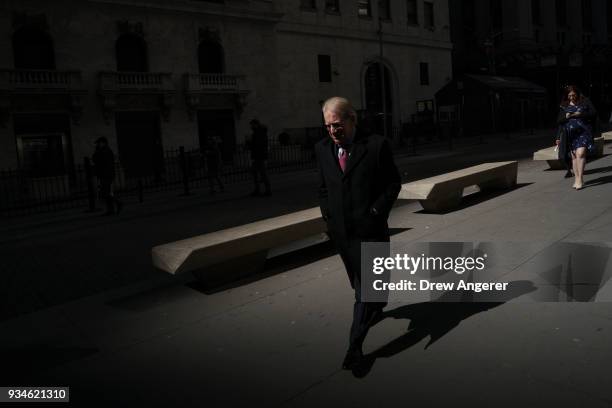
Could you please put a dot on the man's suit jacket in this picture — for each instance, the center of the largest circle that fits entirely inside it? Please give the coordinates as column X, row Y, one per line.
column 371, row 181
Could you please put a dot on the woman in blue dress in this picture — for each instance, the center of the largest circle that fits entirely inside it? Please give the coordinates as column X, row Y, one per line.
column 575, row 125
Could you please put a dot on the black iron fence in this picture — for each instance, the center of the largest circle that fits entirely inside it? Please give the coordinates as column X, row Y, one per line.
column 22, row 192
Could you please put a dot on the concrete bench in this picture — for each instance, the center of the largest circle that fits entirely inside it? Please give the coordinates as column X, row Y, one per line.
column 552, row 158
column 445, row 191
column 241, row 250
column 607, row 136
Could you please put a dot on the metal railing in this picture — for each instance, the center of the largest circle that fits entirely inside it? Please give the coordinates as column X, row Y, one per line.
column 212, row 82
column 155, row 81
column 12, row 79
column 25, row 192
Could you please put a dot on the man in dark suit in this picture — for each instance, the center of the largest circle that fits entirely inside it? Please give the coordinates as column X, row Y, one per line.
column 259, row 155
column 104, row 166
column 359, row 184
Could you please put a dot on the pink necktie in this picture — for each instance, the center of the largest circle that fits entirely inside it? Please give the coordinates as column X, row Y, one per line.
column 342, row 158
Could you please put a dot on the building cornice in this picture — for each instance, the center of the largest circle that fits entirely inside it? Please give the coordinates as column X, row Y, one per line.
column 265, row 15
column 360, row 35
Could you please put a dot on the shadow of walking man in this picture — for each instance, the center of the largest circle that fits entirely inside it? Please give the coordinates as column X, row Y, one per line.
column 434, row 319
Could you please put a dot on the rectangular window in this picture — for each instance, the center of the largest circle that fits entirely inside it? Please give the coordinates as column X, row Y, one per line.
column 495, row 7
column 324, row 68
column 609, row 19
column 536, row 12
column 332, row 6
column 363, row 8
column 411, row 6
column 384, row 10
column 587, row 15
column 561, row 10
column 424, row 73
column 469, row 17
column 561, row 37
column 428, row 14
column 308, row 4
column 42, row 155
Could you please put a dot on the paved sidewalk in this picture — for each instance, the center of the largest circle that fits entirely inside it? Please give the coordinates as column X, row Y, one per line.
column 50, row 259
column 279, row 340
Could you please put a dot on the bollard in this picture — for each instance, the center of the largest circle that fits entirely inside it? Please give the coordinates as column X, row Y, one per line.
column 184, row 170
column 91, row 190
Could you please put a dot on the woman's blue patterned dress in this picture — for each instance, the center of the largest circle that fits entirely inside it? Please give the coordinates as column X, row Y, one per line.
column 579, row 131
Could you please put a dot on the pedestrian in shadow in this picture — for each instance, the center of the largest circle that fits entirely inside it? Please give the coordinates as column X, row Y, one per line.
column 104, row 168
column 213, row 163
column 259, row 155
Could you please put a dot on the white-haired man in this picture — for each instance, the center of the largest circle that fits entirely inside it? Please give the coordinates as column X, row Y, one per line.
column 359, row 184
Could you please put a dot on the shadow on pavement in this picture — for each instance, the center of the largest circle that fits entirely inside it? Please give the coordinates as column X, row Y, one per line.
column 434, row 319
column 24, row 365
column 278, row 265
column 598, row 170
column 598, row 181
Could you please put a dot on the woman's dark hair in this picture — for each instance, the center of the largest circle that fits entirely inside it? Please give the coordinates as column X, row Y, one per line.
column 567, row 90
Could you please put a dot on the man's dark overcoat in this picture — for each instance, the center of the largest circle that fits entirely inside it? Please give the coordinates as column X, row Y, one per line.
column 356, row 203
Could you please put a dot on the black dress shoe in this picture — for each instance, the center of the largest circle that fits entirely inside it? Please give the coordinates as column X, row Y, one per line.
column 352, row 359
column 569, row 174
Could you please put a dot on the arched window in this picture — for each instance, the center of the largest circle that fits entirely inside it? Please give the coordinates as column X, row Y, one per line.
column 33, row 49
column 210, row 58
column 131, row 53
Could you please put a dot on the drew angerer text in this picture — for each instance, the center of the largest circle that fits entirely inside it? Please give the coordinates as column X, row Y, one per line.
column 424, row 284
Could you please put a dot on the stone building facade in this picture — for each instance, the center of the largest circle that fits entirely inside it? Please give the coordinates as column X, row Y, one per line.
column 549, row 42
column 152, row 75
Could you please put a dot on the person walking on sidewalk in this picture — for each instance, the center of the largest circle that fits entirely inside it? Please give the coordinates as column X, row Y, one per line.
column 104, row 168
column 576, row 117
column 213, row 162
column 259, row 155
column 359, row 184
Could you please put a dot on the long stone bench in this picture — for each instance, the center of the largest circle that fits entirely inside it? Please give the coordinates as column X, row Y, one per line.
column 444, row 192
column 552, row 157
column 241, row 250
column 607, row 136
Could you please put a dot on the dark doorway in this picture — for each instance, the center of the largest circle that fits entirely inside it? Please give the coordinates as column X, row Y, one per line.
column 131, row 53
column 210, row 58
column 33, row 49
column 374, row 96
column 139, row 143
column 43, row 143
column 218, row 123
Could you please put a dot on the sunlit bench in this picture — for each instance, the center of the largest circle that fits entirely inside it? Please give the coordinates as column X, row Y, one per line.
column 444, row 192
column 240, row 250
column 552, row 157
